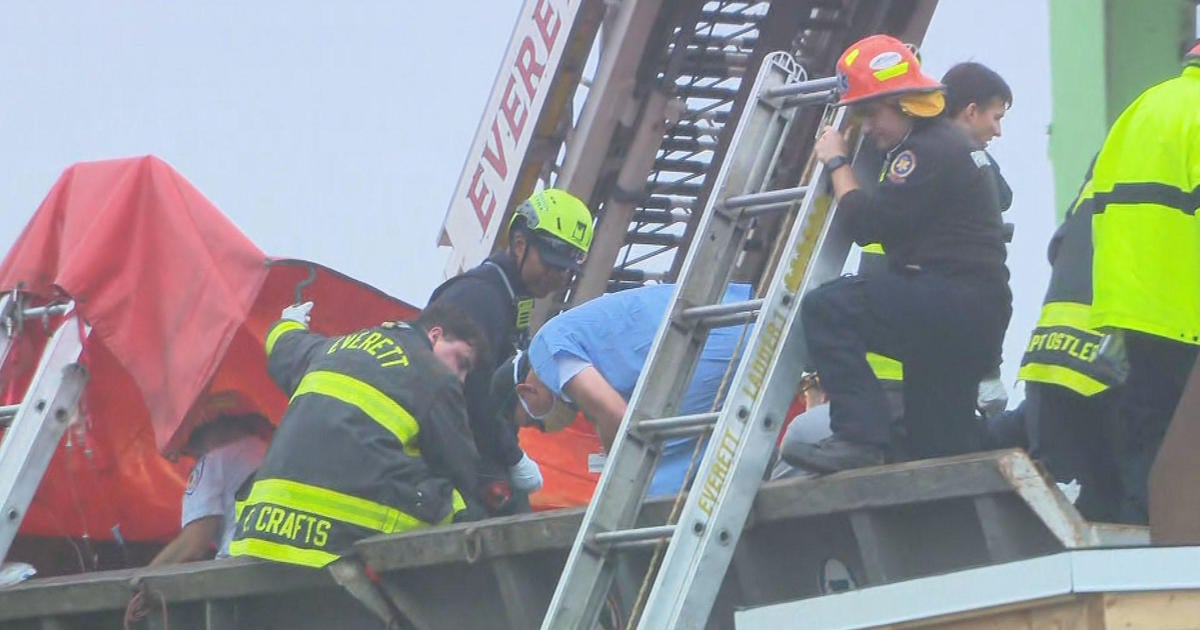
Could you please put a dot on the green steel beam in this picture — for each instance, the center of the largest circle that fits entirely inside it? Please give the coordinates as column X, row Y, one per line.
column 1103, row 53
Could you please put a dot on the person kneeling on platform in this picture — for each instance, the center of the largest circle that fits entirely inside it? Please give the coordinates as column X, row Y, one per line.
column 942, row 305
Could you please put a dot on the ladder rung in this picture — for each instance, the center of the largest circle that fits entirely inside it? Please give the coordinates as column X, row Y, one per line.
column 804, row 87
column 730, row 17
column 635, row 275
column 669, row 202
column 764, row 198
column 44, row 311
column 692, row 130
column 706, row 55
column 693, row 421
column 651, row 238
column 712, row 71
column 636, row 544
column 675, row 188
column 717, row 310
column 712, row 116
column 714, row 92
column 660, row 217
column 682, row 166
column 820, row 98
column 53, row 309
column 687, row 144
column 758, row 211
column 622, row 285
column 734, row 319
column 7, row 413
column 742, row 42
column 634, row 535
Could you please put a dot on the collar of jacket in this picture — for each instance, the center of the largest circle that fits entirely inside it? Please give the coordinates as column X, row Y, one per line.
column 508, row 265
column 421, row 333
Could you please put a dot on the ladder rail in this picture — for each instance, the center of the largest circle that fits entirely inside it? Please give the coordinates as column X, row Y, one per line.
column 587, row 576
column 38, row 425
column 10, row 312
column 723, row 492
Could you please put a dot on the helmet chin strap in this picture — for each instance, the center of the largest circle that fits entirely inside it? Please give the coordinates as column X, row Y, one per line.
column 524, row 257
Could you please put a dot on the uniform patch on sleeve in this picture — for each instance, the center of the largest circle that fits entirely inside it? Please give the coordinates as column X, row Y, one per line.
column 194, row 477
column 902, row 166
column 981, row 158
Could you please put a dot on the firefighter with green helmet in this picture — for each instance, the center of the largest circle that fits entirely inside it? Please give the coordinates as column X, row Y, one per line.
column 548, row 239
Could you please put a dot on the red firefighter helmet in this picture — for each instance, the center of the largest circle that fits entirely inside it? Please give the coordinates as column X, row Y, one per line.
column 878, row 66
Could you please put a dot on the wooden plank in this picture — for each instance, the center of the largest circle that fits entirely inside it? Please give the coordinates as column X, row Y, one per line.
column 1071, row 612
column 195, row 581
column 1159, row 610
column 472, row 542
column 877, row 544
column 1010, row 530
column 219, row 615
column 519, row 592
column 785, row 501
column 885, row 486
column 1174, row 505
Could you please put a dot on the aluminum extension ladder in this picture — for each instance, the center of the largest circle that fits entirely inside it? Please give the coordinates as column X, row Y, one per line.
column 36, row 425
column 744, row 431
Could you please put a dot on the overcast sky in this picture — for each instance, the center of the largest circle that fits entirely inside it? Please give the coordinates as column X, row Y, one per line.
column 336, row 131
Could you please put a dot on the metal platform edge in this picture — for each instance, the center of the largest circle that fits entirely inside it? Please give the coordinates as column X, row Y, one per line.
column 1045, row 579
column 902, row 487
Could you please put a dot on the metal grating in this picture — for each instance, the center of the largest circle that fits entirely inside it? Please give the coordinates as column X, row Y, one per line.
column 705, row 62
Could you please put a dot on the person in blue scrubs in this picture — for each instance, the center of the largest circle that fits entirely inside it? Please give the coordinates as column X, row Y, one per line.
column 589, row 359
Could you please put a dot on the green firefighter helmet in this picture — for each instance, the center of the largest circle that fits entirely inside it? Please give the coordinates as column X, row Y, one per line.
column 561, row 225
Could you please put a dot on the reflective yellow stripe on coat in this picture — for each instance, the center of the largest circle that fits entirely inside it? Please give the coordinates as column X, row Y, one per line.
column 885, row 368
column 1146, row 268
column 278, row 330
column 1057, row 367
column 377, row 405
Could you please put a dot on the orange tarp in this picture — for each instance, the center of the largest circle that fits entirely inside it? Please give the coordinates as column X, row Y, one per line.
column 178, row 299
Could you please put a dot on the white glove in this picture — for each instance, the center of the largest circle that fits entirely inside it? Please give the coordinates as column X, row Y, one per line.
column 1071, row 489
column 297, row 312
column 993, row 397
column 525, row 475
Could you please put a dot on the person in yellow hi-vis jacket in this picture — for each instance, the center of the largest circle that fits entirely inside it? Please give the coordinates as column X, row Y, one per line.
column 375, row 439
column 1145, row 191
column 1071, row 386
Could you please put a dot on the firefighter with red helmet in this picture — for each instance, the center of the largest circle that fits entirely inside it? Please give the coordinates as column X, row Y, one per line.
column 943, row 303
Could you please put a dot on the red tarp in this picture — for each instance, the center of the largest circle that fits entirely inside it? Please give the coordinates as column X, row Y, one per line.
column 178, row 299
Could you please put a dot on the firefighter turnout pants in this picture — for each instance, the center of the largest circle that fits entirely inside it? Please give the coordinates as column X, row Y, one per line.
column 946, row 329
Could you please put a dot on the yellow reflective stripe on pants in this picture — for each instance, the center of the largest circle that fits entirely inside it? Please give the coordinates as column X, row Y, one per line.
column 1071, row 314
column 376, row 404
column 277, row 331
column 333, row 505
column 873, row 248
column 1081, row 384
column 885, row 368
column 269, row 550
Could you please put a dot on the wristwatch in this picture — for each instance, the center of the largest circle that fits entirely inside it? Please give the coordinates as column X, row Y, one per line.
column 836, row 162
